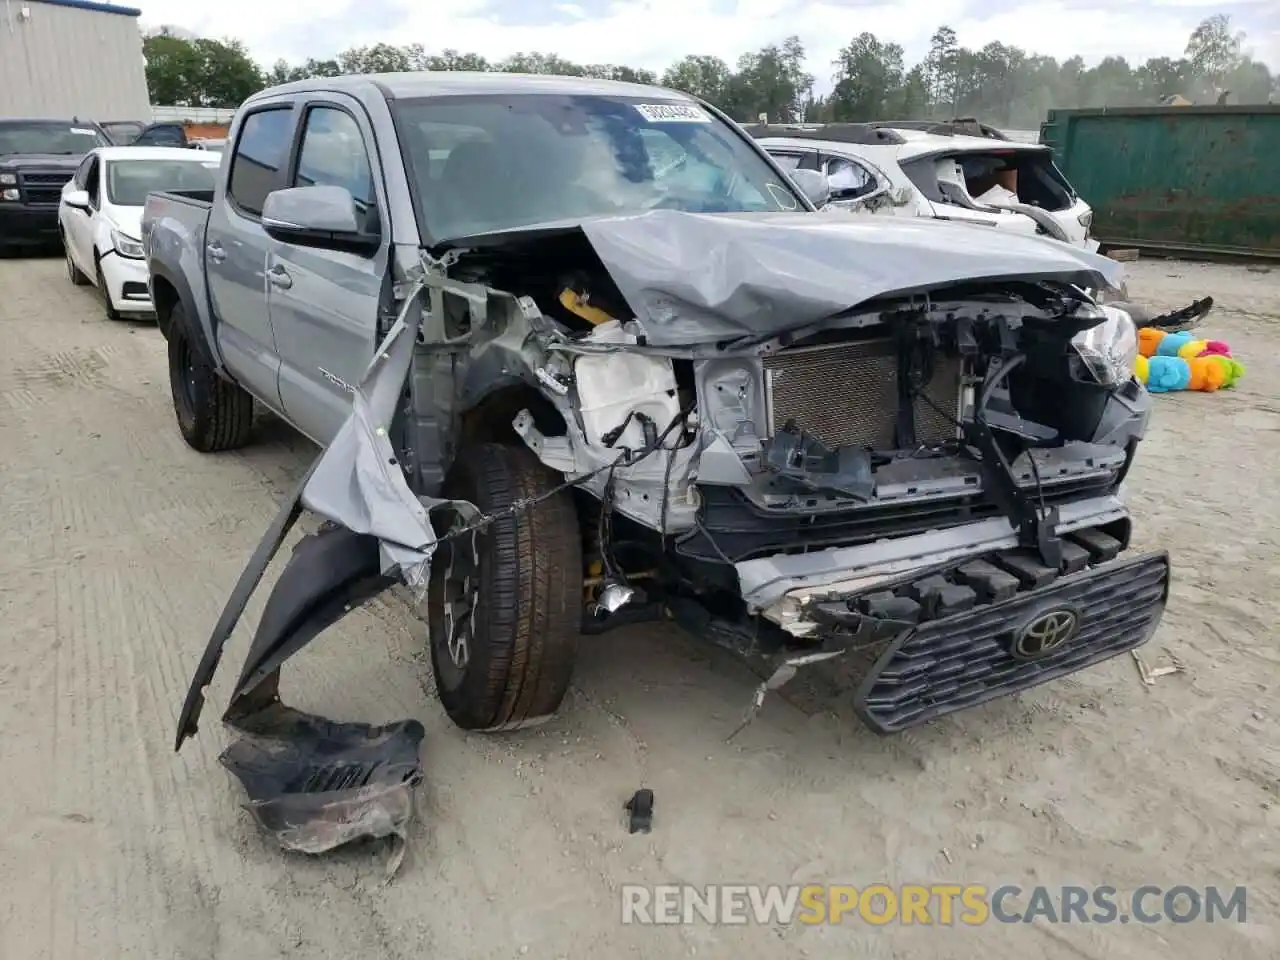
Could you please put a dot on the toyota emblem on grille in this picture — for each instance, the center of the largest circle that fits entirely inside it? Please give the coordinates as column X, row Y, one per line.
column 1045, row 634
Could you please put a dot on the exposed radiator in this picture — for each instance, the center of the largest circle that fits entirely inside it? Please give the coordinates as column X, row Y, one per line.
column 847, row 394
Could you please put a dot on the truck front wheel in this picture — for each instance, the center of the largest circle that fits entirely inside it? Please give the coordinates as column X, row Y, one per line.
column 213, row 414
column 505, row 602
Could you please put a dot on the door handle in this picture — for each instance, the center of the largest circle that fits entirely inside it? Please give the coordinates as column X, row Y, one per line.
column 279, row 277
column 216, row 253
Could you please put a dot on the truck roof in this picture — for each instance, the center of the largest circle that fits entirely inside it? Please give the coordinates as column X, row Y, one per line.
column 453, row 83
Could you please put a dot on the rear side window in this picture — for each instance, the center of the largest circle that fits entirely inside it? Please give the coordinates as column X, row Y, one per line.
column 849, row 180
column 262, row 149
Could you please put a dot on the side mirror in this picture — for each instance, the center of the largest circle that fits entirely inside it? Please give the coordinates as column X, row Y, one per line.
column 318, row 216
column 77, row 199
column 814, row 185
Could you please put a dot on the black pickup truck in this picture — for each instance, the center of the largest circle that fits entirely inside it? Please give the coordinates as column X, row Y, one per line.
column 37, row 158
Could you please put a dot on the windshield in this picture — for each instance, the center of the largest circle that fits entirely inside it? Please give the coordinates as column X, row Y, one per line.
column 129, row 181
column 42, row 136
column 485, row 163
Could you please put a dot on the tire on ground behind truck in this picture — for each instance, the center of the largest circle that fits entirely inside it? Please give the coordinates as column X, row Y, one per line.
column 213, row 414
column 504, row 614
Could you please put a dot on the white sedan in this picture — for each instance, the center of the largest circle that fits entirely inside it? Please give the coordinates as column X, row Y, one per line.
column 100, row 216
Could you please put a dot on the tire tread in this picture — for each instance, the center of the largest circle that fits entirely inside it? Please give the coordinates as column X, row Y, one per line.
column 530, row 607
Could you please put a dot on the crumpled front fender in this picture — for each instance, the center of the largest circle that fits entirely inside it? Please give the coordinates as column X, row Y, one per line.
column 312, row 783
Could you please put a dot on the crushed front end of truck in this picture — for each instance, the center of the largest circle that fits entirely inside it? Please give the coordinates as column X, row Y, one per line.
column 927, row 481
column 804, row 438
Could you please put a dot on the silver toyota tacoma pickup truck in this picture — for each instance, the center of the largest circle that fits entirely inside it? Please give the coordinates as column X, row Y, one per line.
column 580, row 354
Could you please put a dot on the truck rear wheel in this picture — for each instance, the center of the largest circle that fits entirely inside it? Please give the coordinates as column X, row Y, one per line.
column 213, row 414
column 505, row 602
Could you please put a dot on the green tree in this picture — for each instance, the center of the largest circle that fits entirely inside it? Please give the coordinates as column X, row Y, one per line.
column 229, row 73
column 911, row 101
column 869, row 76
column 199, row 73
column 544, row 63
column 1214, row 49
column 771, row 81
column 453, row 60
column 702, row 76
column 173, row 70
column 940, row 68
column 608, row 71
column 382, row 58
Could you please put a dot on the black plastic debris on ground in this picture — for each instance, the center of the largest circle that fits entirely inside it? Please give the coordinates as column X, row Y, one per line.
column 314, row 784
column 640, row 808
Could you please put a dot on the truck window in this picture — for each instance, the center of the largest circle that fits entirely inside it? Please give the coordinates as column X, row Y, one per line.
column 261, row 150
column 333, row 154
column 491, row 162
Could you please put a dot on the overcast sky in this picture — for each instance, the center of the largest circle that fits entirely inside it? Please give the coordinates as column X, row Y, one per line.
column 654, row 33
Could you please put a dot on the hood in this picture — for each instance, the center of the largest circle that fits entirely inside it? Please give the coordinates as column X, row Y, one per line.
column 693, row 278
column 128, row 220
column 40, row 161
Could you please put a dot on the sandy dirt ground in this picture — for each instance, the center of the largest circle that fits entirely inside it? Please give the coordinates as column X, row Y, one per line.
column 118, row 546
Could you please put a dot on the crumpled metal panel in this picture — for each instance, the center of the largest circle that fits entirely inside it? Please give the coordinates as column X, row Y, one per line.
column 699, row 278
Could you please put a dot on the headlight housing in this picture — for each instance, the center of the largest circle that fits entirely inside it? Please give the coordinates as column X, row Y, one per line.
column 8, row 179
column 1109, row 349
column 126, row 246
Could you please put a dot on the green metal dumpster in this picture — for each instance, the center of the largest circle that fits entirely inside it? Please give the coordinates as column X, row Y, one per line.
column 1180, row 179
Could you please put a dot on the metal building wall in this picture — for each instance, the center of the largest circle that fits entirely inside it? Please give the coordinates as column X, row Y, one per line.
column 69, row 58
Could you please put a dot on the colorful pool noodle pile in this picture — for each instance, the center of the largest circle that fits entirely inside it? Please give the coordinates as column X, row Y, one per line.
column 1178, row 361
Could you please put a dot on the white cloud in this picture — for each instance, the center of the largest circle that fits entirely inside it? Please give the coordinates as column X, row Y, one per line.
column 653, row 33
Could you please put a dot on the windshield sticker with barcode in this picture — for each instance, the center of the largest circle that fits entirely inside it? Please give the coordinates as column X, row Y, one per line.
column 83, row 131
column 672, row 112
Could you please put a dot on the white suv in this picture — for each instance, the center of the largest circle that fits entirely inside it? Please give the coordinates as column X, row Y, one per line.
column 961, row 170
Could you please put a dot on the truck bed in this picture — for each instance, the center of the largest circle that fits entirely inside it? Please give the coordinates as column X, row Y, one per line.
column 173, row 231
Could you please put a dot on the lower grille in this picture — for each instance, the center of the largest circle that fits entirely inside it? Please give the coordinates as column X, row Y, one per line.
column 846, row 394
column 966, row 659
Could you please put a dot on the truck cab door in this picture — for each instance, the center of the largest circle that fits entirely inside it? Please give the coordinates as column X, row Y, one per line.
column 325, row 303
column 236, row 249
